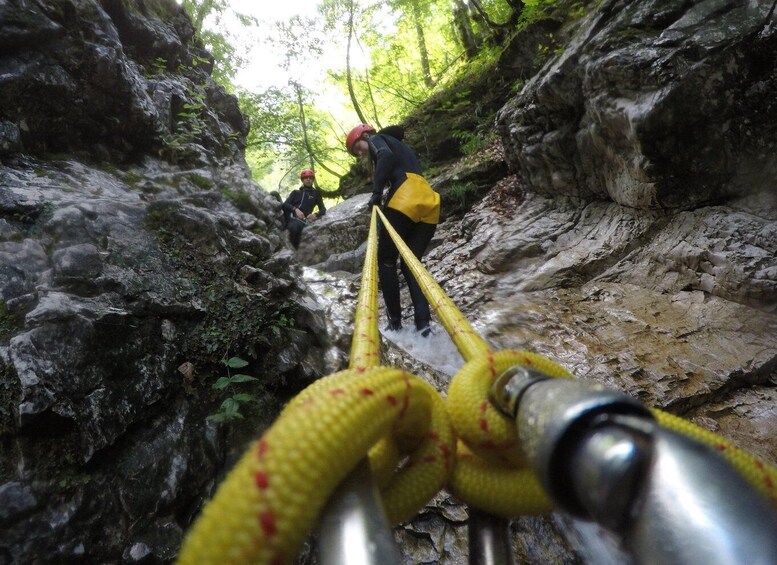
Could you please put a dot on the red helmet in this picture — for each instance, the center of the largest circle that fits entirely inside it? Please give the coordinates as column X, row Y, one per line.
column 307, row 173
column 356, row 134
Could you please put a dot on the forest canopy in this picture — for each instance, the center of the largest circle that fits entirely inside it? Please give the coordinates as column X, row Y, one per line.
column 352, row 61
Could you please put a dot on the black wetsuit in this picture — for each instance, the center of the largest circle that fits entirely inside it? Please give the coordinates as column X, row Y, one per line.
column 393, row 162
column 305, row 199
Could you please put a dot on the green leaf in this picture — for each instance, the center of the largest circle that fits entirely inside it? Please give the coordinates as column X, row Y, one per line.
column 240, row 378
column 242, row 397
column 222, row 383
column 236, row 363
column 230, row 405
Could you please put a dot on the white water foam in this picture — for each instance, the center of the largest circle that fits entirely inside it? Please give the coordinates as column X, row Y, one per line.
column 437, row 350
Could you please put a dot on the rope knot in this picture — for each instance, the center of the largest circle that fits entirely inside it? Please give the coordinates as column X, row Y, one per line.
column 491, row 473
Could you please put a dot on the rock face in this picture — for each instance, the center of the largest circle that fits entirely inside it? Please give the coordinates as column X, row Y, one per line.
column 135, row 255
column 636, row 239
column 336, row 242
column 109, row 79
column 633, row 239
column 656, row 104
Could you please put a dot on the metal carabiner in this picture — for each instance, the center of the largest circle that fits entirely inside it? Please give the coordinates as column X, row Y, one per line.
column 601, row 456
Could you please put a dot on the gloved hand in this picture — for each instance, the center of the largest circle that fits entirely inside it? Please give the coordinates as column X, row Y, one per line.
column 374, row 201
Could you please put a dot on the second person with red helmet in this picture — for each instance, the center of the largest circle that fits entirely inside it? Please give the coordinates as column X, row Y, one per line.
column 298, row 207
column 411, row 206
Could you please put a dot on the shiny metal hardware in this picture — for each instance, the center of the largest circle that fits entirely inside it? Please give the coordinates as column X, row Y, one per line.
column 695, row 508
column 354, row 529
column 489, row 539
column 601, row 456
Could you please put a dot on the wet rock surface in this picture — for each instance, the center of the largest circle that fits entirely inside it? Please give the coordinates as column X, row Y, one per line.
column 658, row 104
column 626, row 229
column 633, row 242
column 135, row 255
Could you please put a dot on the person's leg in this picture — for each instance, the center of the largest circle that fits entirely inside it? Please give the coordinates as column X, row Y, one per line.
column 387, row 266
column 295, row 233
column 417, row 239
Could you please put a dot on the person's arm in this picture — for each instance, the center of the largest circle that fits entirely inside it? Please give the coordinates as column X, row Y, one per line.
column 384, row 163
column 320, row 202
column 290, row 205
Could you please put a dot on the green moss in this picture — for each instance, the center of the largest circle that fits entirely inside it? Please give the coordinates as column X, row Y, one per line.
column 242, row 201
column 155, row 218
column 33, row 222
column 132, row 179
column 201, row 182
column 236, row 322
column 461, row 194
column 160, row 9
column 10, row 324
column 10, row 393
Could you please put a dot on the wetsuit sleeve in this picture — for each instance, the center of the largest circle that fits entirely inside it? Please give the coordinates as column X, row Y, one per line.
column 289, row 205
column 384, row 163
column 320, row 202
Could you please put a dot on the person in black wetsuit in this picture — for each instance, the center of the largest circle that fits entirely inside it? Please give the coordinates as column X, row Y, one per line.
column 411, row 207
column 298, row 207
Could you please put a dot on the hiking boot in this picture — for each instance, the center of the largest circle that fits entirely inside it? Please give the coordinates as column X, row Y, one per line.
column 425, row 331
column 394, row 325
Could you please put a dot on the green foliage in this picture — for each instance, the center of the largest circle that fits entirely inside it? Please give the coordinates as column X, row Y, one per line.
column 212, row 22
column 577, row 10
column 230, row 407
column 480, row 66
column 282, row 323
column 400, row 53
column 189, row 126
column 157, row 67
column 8, row 323
column 162, row 9
column 471, row 142
column 462, row 194
column 197, row 61
column 277, row 144
column 10, row 392
column 536, row 10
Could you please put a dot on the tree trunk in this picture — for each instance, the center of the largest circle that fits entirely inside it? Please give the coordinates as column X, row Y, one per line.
column 495, row 31
column 516, row 9
column 312, row 159
column 199, row 12
column 376, row 123
column 463, row 28
column 348, row 76
column 419, row 30
column 480, row 13
column 304, row 124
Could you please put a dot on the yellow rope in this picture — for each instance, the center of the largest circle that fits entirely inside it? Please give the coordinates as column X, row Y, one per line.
column 467, row 340
column 267, row 505
column 365, row 344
